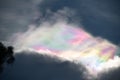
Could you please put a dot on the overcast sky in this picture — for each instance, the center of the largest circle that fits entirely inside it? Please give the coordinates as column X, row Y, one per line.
column 98, row 17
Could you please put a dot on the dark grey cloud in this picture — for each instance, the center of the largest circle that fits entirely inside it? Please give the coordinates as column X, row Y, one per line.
column 113, row 74
column 33, row 66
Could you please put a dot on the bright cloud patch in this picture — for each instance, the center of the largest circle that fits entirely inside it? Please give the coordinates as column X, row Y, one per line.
column 69, row 42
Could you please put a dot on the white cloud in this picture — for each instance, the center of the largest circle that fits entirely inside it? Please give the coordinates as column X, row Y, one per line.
column 60, row 18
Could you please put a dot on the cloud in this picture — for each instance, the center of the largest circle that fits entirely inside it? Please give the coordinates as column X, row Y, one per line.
column 96, row 16
column 24, row 40
column 51, row 16
column 30, row 65
column 112, row 74
column 16, row 15
column 57, row 19
column 101, row 18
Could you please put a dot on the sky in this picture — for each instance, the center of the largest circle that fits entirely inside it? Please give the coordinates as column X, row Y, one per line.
column 100, row 18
